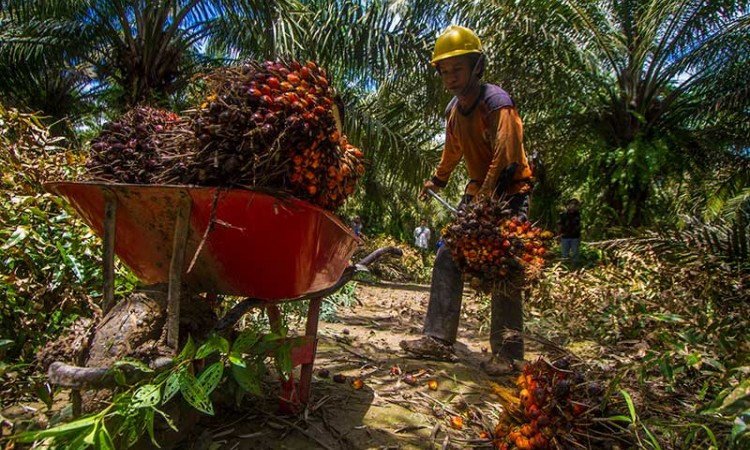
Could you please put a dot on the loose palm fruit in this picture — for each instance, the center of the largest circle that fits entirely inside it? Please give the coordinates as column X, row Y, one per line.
column 410, row 380
column 358, row 384
column 433, row 385
column 457, row 422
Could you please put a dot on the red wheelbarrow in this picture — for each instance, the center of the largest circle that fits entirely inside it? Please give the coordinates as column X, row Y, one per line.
column 223, row 241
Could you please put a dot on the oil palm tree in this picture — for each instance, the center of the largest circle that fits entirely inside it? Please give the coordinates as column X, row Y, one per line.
column 376, row 51
column 134, row 50
column 625, row 97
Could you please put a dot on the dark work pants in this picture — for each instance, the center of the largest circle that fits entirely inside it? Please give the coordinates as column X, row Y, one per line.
column 446, row 290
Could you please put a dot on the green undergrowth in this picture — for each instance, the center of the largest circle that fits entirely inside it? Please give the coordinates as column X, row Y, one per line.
column 51, row 261
column 414, row 266
column 669, row 325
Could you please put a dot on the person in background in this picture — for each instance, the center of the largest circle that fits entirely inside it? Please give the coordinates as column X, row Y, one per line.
column 569, row 229
column 357, row 226
column 422, row 236
column 484, row 129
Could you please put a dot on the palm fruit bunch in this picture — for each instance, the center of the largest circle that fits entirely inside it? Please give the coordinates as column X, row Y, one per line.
column 490, row 245
column 274, row 125
column 128, row 150
column 555, row 408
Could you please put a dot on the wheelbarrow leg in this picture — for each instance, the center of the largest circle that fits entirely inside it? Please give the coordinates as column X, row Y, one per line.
column 108, row 256
column 289, row 400
column 108, row 271
column 176, row 266
column 311, row 333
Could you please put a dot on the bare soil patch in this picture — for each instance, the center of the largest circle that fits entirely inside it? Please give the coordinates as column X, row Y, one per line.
column 386, row 413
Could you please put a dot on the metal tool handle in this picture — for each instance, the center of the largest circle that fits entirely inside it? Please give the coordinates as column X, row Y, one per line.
column 442, row 200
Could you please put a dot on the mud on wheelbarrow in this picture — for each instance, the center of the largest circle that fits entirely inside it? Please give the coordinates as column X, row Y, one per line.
column 220, row 242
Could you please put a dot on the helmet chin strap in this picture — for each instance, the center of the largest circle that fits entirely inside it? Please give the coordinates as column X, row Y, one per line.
column 474, row 78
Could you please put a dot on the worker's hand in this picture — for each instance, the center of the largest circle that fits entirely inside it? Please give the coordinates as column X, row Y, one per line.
column 423, row 195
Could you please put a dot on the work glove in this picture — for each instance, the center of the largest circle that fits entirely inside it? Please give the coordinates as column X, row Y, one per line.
column 505, row 179
column 428, row 185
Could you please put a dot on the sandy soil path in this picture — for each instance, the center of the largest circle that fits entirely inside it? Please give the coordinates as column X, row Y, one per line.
column 387, row 413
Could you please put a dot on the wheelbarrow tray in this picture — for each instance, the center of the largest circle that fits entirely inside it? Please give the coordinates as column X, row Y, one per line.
column 240, row 242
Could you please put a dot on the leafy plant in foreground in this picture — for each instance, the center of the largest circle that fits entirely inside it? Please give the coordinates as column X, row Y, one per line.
column 134, row 410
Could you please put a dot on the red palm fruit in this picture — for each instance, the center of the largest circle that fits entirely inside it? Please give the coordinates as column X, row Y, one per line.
column 578, row 409
column 410, row 380
column 273, row 82
column 526, row 430
column 312, row 189
column 522, row 442
column 286, row 86
column 539, row 441
column 525, row 397
column 295, row 65
column 293, row 78
column 533, row 411
column 304, row 72
column 322, row 81
column 539, row 395
column 280, row 102
column 265, row 89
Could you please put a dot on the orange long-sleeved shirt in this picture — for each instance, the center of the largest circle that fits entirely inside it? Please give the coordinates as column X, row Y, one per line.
column 488, row 138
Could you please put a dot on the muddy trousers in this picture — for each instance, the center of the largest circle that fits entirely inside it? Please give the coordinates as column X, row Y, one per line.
column 444, row 309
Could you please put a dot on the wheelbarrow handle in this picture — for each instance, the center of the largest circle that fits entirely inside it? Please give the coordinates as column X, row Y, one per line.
column 379, row 253
column 238, row 310
column 442, row 200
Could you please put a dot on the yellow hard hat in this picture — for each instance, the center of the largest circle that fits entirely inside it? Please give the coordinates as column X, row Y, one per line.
column 455, row 41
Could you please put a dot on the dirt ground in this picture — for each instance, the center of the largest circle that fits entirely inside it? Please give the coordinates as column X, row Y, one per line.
column 387, row 413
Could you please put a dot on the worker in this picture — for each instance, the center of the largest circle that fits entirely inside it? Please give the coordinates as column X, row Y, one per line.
column 484, row 129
